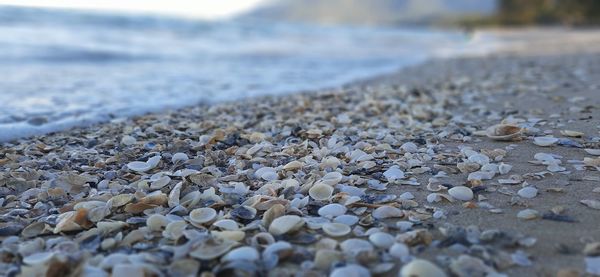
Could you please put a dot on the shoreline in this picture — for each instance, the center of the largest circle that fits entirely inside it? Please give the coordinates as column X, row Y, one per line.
column 416, row 120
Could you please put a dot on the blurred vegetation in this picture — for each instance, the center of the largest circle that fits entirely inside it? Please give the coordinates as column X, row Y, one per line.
column 539, row 12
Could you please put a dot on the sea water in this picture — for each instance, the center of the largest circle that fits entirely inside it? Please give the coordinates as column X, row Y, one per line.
column 60, row 69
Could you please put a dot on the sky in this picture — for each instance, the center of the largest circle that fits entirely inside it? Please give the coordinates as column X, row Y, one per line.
column 189, row 8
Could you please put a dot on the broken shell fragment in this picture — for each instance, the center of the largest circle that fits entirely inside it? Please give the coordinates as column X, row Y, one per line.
column 504, row 132
column 544, row 141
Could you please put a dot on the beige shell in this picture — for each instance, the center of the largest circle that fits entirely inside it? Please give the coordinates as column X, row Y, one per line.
column 272, row 213
column 387, row 212
column 212, row 248
column 504, row 132
column 226, row 224
column 293, row 165
column 120, row 200
column 174, row 229
column 336, row 229
column 230, row 235
column 570, row 133
column 285, row 224
column 156, row 222
column 421, row 268
column 332, row 178
column 202, row 215
column 320, row 191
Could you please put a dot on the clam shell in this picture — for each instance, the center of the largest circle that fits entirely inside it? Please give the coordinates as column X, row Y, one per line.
column 272, row 213
column 293, row 165
column 381, row 239
column 324, row 258
column 355, row 246
column 461, row 193
column 570, row 133
column 39, row 258
column 120, row 200
column 387, row 212
column 230, row 235
column 399, row 250
column 212, row 248
column 144, row 166
column 332, row 178
column 528, row 192
column 595, row 152
column 285, row 224
column 174, row 229
column 160, row 182
column 393, row 173
column 504, row 132
column 350, row 270
column 332, row 210
column 347, row 219
column 202, row 215
column 421, row 268
column 156, row 222
column 226, row 224
column 244, row 253
column 330, row 162
column 179, row 157
column 544, row 141
column 336, row 229
column 528, row 214
column 591, row 203
column 320, row 191
column 266, row 173
column 468, row 167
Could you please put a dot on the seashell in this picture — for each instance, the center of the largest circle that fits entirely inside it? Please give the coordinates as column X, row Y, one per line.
column 466, row 265
column 244, row 212
column 266, row 173
column 332, row 178
column 528, row 192
column 421, row 268
column 409, row 147
column 387, row 212
column 350, row 270
column 160, row 183
column 39, row 258
column 504, row 168
column 320, row 191
column 330, row 162
column 230, row 235
column 293, row 165
column 393, row 173
column 504, row 132
column 528, row 214
column 461, row 193
column 179, row 157
column 591, row 162
column 324, row 258
column 594, row 204
column 70, row 221
column 120, row 200
column 110, row 226
column 285, row 224
column 276, row 251
column 407, row 196
column 35, row 229
column 480, row 159
column 544, row 141
column 226, row 224
column 381, row 239
column 347, row 219
column 570, row 133
column 595, row 152
column 399, row 250
column 156, row 222
column 88, row 205
column 144, row 166
column 468, row 167
column 212, row 248
column 98, row 213
column 174, row 194
column 202, row 215
column 272, row 213
column 174, row 229
column 262, row 239
column 245, row 253
column 128, row 140
column 355, row 246
column 336, row 229
column 332, row 210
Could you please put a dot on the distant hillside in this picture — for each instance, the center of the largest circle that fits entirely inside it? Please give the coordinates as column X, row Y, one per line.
column 374, row 12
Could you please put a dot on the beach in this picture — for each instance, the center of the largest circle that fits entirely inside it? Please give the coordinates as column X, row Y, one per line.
column 365, row 179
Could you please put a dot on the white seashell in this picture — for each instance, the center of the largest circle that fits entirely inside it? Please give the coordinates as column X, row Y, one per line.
column 244, row 253
column 544, row 141
column 393, row 173
column 332, row 178
column 144, row 166
column 409, row 147
column 128, row 140
column 504, row 168
column 320, row 191
column 479, row 159
column 504, row 132
column 226, row 224
column 315, row 223
column 179, row 157
column 595, row 152
column 332, row 210
column 353, row 270
column 202, row 215
column 528, row 192
column 266, row 173
column 570, row 133
column 387, row 212
column 336, row 229
column 355, row 246
column 174, row 229
column 493, row 168
column 591, row 203
column 39, row 258
column 381, row 239
column 480, row 175
column 433, row 197
column 285, row 224
column 293, row 165
column 330, row 162
column 347, row 219
column 528, row 214
column 407, row 196
column 468, row 167
column 421, row 268
column 461, row 193
column 160, row 183
column 399, row 250
column 156, row 222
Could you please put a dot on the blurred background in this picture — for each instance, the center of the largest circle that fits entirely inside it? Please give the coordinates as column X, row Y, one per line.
column 73, row 62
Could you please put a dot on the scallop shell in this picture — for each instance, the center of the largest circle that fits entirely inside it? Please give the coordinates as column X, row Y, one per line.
column 421, row 268
column 202, row 215
column 144, row 166
column 504, row 132
column 544, row 141
column 320, row 191
column 285, row 224
column 336, row 229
